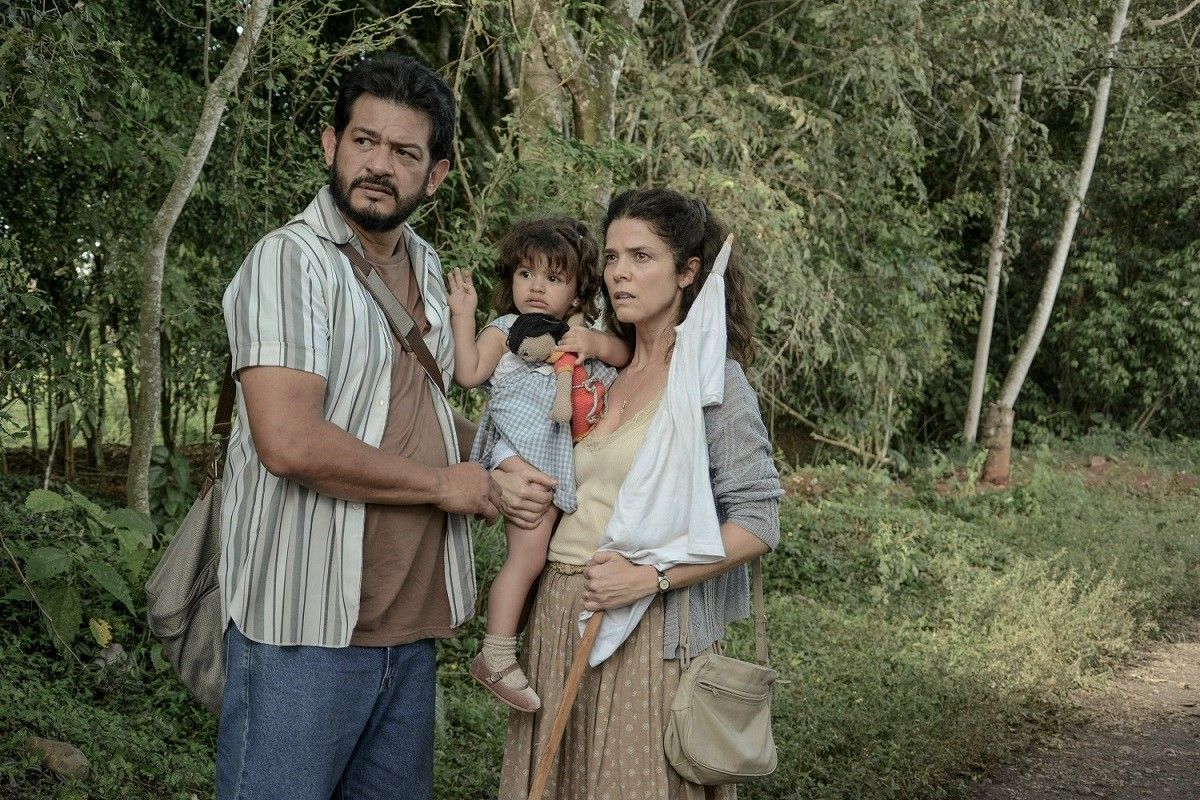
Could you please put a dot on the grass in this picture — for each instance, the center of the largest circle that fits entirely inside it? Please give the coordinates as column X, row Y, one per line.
column 923, row 631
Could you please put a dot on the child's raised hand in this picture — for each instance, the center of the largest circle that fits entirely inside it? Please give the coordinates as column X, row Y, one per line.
column 463, row 299
column 583, row 342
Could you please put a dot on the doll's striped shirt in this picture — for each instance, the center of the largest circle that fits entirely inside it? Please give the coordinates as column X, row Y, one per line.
column 291, row 559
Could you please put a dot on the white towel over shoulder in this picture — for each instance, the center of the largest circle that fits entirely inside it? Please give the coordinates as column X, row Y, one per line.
column 665, row 513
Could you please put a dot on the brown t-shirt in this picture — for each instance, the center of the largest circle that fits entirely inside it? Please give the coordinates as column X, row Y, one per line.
column 403, row 596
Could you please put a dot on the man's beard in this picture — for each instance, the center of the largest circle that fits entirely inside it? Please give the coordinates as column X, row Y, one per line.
column 367, row 219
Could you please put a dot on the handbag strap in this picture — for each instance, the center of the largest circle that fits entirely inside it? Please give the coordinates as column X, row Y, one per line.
column 222, row 427
column 400, row 321
column 760, row 617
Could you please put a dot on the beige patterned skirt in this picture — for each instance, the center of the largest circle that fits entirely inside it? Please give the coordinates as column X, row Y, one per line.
column 613, row 745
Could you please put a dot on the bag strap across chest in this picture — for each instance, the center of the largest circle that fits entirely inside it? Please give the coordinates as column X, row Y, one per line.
column 400, row 321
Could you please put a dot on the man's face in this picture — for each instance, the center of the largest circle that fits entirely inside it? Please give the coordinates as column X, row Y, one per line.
column 380, row 169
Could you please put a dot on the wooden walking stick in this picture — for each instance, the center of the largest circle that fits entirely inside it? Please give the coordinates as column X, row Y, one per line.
column 570, row 689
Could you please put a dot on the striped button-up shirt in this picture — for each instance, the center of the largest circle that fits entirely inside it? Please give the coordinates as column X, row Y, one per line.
column 291, row 558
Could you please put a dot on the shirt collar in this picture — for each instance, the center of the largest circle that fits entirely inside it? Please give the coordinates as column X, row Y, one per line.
column 323, row 216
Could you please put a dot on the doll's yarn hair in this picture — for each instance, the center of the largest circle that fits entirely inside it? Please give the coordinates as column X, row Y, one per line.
column 567, row 245
column 534, row 325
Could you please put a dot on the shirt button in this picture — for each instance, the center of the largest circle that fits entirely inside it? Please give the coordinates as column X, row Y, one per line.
column 381, row 402
column 356, row 506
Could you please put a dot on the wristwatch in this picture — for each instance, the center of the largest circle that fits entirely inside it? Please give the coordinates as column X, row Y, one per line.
column 664, row 583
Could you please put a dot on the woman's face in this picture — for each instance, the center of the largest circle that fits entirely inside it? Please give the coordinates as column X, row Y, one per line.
column 639, row 273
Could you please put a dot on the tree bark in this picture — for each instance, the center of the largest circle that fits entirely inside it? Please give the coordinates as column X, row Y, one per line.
column 997, row 438
column 137, row 488
column 31, row 410
column 540, row 94
column 96, row 440
column 1000, row 446
column 995, row 262
column 592, row 77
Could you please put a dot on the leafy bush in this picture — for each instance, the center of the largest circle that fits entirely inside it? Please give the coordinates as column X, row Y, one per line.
column 77, row 557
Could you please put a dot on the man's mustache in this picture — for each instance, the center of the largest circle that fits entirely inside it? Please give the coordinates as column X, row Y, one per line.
column 380, row 184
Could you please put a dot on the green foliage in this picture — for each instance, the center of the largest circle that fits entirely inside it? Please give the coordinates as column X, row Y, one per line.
column 923, row 630
column 76, row 556
column 171, row 489
column 852, row 151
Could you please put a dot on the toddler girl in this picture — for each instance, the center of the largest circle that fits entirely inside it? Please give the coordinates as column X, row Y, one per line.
column 547, row 266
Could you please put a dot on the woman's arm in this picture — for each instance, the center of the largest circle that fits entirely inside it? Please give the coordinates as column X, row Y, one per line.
column 745, row 486
column 613, row 581
column 590, row 343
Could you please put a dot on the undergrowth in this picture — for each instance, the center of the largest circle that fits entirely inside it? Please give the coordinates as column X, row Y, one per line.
column 923, row 629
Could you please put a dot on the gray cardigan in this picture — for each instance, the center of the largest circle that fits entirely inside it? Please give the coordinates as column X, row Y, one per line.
column 747, row 491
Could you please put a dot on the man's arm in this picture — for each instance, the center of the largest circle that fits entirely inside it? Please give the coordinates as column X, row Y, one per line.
column 295, row 441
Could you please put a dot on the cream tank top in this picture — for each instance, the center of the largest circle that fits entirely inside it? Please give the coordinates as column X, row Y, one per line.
column 601, row 463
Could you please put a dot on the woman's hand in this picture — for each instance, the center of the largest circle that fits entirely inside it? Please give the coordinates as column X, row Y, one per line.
column 463, row 299
column 585, row 343
column 613, row 581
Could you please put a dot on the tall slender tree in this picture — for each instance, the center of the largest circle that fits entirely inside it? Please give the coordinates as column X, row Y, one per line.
column 996, row 248
column 145, row 422
column 998, row 422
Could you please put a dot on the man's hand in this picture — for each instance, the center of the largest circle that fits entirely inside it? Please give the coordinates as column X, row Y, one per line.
column 613, row 581
column 463, row 299
column 526, row 492
column 468, row 489
column 583, row 342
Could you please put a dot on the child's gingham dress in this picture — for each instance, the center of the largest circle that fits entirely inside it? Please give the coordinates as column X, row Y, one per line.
column 517, row 419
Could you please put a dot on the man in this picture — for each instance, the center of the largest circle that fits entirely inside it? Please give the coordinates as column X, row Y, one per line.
column 345, row 545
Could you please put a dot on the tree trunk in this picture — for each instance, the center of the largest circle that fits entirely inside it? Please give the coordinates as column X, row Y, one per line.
column 540, row 95
column 997, row 438
column 96, row 441
column 67, row 435
column 99, row 365
column 591, row 75
column 31, row 411
column 166, row 419
column 129, row 378
column 1000, row 446
column 143, row 427
column 166, row 406
column 995, row 262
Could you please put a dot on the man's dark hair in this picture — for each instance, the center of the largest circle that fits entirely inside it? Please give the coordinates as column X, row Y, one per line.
column 405, row 81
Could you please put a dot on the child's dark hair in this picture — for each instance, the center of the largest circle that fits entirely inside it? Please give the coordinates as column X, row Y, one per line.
column 534, row 325
column 566, row 244
column 691, row 231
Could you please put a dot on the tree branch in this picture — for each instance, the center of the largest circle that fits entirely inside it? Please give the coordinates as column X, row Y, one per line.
column 158, row 235
column 689, row 43
column 812, row 434
column 1178, row 15
column 709, row 45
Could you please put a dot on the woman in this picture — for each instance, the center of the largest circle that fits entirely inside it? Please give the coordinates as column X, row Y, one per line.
column 659, row 248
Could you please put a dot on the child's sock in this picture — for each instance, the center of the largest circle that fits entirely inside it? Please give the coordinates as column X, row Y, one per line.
column 499, row 652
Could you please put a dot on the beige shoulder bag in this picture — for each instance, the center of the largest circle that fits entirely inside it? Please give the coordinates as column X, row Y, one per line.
column 720, row 726
column 183, row 596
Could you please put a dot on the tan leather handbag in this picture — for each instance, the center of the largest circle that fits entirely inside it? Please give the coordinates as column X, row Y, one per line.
column 720, row 726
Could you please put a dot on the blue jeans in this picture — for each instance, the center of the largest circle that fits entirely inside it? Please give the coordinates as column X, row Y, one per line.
column 315, row 723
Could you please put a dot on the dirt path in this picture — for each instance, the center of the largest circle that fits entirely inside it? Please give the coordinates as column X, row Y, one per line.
column 1141, row 739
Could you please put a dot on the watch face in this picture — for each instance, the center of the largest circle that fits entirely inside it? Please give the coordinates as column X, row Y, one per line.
column 663, row 583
